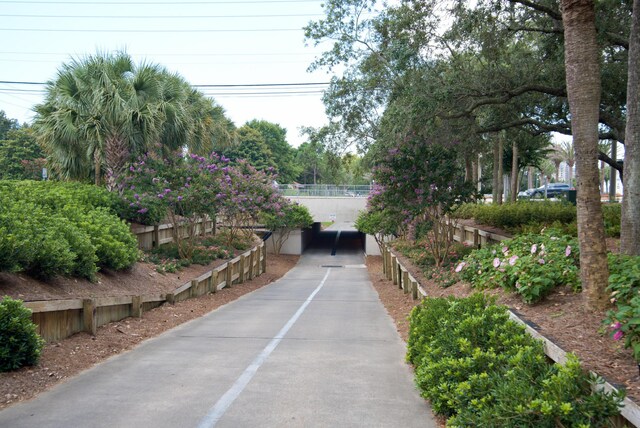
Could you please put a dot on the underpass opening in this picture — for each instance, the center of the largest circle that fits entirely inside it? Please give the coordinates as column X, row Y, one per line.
column 337, row 239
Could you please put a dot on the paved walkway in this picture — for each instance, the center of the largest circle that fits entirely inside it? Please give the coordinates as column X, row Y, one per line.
column 314, row 349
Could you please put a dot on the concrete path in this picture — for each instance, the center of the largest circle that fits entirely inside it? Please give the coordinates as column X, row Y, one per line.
column 314, row 349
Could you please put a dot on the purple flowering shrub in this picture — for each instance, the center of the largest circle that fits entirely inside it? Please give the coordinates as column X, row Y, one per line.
column 531, row 265
column 245, row 195
column 421, row 183
column 624, row 284
column 186, row 189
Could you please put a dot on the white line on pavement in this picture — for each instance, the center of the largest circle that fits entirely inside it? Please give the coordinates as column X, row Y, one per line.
column 221, row 406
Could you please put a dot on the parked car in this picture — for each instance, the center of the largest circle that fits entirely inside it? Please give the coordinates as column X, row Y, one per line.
column 553, row 190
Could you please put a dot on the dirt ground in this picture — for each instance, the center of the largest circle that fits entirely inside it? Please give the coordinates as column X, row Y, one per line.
column 562, row 317
column 66, row 358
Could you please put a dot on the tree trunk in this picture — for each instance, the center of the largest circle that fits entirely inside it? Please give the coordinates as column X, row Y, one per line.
column 630, row 223
column 530, row 178
column 500, row 171
column 582, row 65
column 468, row 169
column 514, row 173
column 496, row 169
column 612, row 172
column 97, row 164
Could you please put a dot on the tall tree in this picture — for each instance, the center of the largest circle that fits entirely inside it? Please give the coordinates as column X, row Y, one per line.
column 630, row 224
column 20, row 156
column 583, row 86
column 98, row 112
column 275, row 137
column 6, row 125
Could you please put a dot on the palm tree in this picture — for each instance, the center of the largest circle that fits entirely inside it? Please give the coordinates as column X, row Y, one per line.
column 99, row 111
column 568, row 155
column 583, row 89
column 557, row 158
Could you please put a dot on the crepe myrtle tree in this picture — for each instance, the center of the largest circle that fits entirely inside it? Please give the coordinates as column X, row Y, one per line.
column 380, row 224
column 292, row 216
column 184, row 190
column 245, row 194
column 423, row 182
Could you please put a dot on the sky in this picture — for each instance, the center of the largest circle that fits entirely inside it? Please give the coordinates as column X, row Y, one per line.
column 216, row 42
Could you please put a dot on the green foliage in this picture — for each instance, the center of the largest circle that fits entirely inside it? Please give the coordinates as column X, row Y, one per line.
column 532, row 217
column 167, row 257
column 624, row 285
column 291, row 216
column 531, row 265
column 20, row 156
column 53, row 228
column 612, row 214
column 20, row 344
column 480, row 368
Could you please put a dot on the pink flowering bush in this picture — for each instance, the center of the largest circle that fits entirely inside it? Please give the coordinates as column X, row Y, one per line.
column 531, row 265
column 187, row 189
column 623, row 322
column 420, row 183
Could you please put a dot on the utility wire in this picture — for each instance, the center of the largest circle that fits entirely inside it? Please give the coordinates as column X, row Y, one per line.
column 161, row 16
column 174, row 3
column 91, row 30
column 176, row 54
column 15, row 82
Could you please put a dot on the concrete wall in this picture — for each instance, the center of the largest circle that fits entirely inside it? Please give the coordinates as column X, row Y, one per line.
column 371, row 247
column 337, row 209
column 298, row 241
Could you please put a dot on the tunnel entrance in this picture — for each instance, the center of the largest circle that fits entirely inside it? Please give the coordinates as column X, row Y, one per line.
column 336, row 240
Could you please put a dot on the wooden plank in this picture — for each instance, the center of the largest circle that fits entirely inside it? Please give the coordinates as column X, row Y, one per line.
column 194, row 288
column 155, row 241
column 89, row 316
column 171, row 298
column 405, row 281
column 54, row 305
column 148, row 298
column 112, row 301
column 229, row 274
column 241, row 269
column 136, row 306
column 182, row 288
column 214, row 281
column 251, row 262
column 264, row 258
column 414, row 288
column 394, row 267
column 204, row 276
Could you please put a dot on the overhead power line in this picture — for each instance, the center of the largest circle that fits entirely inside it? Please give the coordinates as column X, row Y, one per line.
column 292, row 15
column 176, row 54
column 93, row 30
column 175, row 3
column 295, row 84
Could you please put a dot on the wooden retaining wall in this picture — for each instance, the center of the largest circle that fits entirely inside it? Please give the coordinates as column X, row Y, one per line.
column 57, row 319
column 475, row 237
column 396, row 272
column 153, row 236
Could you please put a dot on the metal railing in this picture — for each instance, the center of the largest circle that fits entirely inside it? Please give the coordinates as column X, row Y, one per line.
column 326, row 190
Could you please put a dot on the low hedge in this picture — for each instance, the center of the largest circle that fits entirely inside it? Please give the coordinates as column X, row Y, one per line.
column 479, row 368
column 531, row 217
column 51, row 229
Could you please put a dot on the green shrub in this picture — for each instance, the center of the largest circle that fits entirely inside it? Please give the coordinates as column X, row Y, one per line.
column 115, row 246
column 52, row 228
column 482, row 369
column 20, row 344
column 531, row 265
column 533, row 217
column 612, row 214
column 624, row 285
